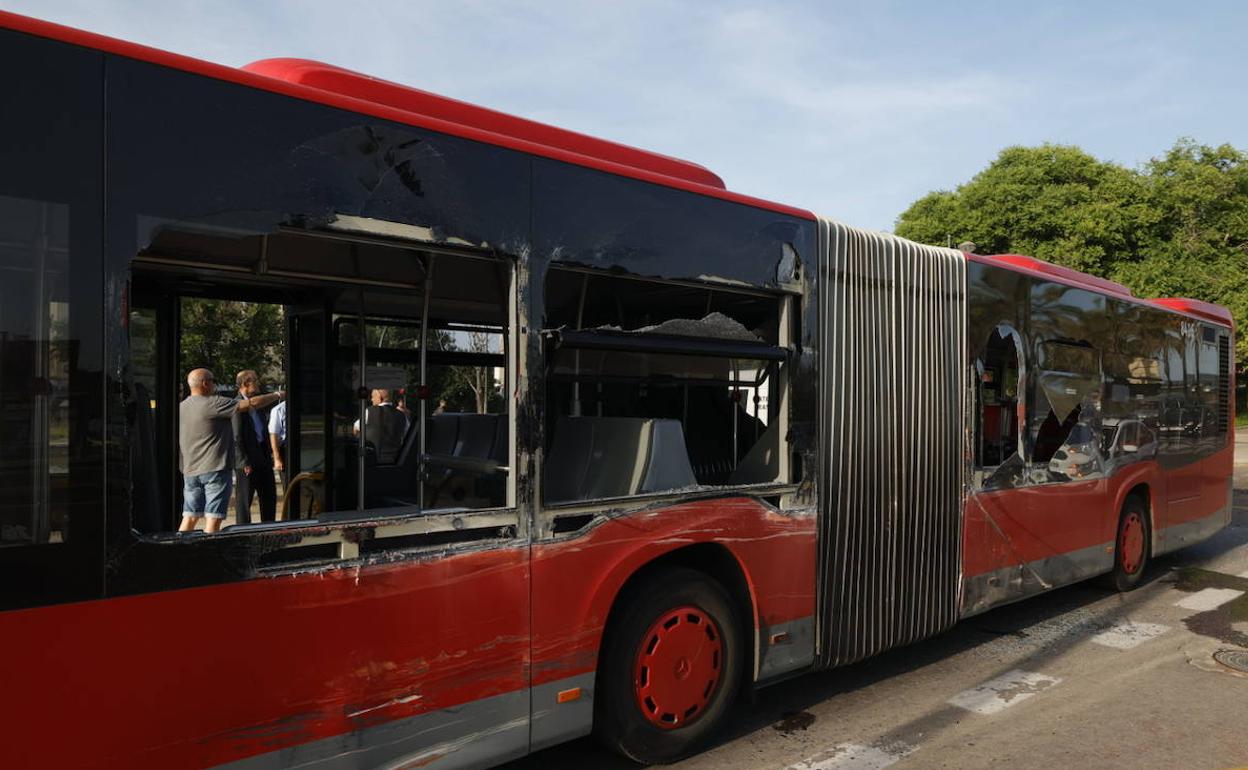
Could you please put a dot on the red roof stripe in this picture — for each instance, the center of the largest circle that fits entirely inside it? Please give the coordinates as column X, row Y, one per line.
column 327, row 77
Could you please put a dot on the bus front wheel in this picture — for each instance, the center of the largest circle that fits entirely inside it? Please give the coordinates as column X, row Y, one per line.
column 670, row 667
column 1131, row 545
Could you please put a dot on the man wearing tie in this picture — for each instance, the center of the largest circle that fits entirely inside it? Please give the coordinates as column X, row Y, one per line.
column 253, row 458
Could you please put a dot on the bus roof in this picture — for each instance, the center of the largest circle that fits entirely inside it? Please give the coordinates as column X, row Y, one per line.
column 356, row 92
column 344, row 89
column 1049, row 271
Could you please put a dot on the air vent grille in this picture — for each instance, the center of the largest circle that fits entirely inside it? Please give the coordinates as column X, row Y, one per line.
column 1224, row 384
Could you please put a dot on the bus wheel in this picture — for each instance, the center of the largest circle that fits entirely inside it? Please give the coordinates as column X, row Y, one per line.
column 1131, row 545
column 670, row 667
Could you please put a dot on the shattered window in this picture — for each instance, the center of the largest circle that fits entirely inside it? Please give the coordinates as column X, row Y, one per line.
column 659, row 390
column 1066, row 412
column 379, row 372
column 997, row 448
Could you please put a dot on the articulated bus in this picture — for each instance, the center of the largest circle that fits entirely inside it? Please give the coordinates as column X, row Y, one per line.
column 663, row 444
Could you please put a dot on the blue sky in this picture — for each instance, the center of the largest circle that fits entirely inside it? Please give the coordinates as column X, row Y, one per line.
column 851, row 110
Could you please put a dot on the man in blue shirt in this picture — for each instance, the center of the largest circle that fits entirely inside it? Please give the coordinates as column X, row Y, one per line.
column 277, row 439
column 253, row 458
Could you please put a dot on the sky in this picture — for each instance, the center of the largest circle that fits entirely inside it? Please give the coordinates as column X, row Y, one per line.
column 853, row 111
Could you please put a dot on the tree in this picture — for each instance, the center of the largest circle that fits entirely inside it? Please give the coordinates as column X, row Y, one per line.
column 478, row 380
column 1176, row 227
column 228, row 336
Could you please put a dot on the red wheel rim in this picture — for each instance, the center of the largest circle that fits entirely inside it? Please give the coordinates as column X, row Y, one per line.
column 678, row 667
column 1131, row 543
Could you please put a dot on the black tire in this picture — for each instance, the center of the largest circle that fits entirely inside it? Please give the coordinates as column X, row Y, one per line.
column 1129, row 566
column 619, row 720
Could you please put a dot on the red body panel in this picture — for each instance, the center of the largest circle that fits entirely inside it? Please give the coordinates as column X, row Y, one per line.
column 274, row 662
column 1017, row 526
column 204, row 676
column 575, row 581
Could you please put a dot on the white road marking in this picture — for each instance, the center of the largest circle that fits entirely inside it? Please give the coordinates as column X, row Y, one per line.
column 1124, row 636
column 854, row 756
column 1208, row 599
column 998, row 694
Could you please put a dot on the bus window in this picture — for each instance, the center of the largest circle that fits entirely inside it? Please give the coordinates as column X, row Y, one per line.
column 381, row 380
column 654, row 387
column 1066, row 418
column 998, row 456
column 35, row 360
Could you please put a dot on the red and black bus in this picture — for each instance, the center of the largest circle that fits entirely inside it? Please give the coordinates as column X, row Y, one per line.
column 663, row 443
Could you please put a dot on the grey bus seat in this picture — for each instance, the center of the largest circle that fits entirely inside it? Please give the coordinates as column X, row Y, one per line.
column 500, row 453
column 385, row 428
column 476, row 435
column 443, row 434
column 600, row 457
column 762, row 463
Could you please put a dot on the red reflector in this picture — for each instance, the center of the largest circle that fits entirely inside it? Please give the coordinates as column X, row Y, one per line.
column 567, row 696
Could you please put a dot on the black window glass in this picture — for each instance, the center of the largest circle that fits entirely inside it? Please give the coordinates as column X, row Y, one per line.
column 51, row 448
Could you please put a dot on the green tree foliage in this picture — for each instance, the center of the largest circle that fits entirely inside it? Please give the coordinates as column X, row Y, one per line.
column 228, row 336
column 1177, row 227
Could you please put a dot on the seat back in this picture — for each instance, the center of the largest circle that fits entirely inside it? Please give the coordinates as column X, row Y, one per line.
column 384, row 428
column 443, row 434
column 600, row 457
column 476, row 435
column 762, row 463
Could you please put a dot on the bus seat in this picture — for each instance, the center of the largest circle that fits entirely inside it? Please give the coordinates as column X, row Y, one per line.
column 500, row 453
column 668, row 465
column 476, row 435
column 600, row 457
column 762, row 463
column 443, row 434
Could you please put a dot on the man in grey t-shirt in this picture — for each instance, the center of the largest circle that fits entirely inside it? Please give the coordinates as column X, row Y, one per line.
column 206, row 444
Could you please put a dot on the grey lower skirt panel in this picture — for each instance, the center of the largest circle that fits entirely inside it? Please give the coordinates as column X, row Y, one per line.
column 893, row 386
column 477, row 734
column 1009, row 584
column 1188, row 533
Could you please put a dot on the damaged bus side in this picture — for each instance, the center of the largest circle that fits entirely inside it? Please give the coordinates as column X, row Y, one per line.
column 604, row 390
column 574, row 439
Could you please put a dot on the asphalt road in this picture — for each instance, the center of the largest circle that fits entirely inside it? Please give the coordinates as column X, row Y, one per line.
column 1077, row 678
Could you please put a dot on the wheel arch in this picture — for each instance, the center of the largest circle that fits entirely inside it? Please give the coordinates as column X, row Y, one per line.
column 1141, row 489
column 716, row 562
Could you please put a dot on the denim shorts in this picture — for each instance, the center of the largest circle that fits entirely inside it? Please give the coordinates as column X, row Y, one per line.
column 207, row 494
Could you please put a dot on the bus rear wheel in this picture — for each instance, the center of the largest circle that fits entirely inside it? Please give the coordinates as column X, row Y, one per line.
column 1131, row 545
column 670, row 667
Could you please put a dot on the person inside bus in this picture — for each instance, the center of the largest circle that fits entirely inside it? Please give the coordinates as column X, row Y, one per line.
column 253, row 465
column 206, row 448
column 384, row 427
column 277, row 439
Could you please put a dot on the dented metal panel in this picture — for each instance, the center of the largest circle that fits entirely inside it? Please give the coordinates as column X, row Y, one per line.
column 892, row 399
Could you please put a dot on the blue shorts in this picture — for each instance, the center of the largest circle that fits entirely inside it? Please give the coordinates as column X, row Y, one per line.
column 207, row 494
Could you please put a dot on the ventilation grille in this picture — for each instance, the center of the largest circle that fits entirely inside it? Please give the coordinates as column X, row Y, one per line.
column 893, row 370
column 1224, row 384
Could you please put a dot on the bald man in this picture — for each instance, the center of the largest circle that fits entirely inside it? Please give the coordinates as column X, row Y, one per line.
column 206, row 444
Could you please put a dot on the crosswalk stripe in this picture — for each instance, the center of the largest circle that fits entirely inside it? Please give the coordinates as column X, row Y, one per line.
column 1208, row 599
column 1009, row 689
column 854, row 756
column 1124, row 636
